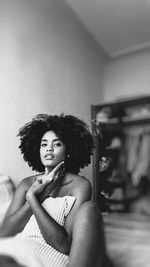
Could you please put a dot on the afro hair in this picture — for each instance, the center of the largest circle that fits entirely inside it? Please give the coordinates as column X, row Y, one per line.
column 73, row 132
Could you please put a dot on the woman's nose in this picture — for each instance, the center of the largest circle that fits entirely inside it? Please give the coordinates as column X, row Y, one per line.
column 50, row 148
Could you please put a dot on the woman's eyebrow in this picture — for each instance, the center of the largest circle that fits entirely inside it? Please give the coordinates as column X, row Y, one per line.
column 44, row 140
column 56, row 139
column 53, row 140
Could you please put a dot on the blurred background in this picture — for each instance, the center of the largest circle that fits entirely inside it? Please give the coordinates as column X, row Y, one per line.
column 89, row 58
column 64, row 56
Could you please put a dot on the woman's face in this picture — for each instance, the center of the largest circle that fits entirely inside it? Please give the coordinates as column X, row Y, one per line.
column 52, row 150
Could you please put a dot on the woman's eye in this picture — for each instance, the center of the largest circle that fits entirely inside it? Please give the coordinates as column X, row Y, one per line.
column 43, row 145
column 57, row 144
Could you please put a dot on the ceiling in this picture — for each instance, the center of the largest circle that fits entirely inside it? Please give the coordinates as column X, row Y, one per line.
column 120, row 26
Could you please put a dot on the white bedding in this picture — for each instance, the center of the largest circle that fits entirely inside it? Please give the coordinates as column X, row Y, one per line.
column 7, row 189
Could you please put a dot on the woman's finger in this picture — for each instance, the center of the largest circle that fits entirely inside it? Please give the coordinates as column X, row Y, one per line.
column 54, row 174
column 58, row 168
column 59, row 174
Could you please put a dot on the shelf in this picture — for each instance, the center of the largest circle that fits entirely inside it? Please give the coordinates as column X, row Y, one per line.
column 138, row 121
column 124, row 103
column 116, row 126
column 123, row 115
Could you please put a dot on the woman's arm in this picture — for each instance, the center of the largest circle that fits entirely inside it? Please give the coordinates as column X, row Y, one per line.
column 18, row 212
column 54, row 234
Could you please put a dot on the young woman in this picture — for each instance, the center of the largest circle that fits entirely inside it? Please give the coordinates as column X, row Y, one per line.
column 37, row 229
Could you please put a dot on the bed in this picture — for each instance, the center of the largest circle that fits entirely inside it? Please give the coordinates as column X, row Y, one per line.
column 127, row 235
column 7, row 189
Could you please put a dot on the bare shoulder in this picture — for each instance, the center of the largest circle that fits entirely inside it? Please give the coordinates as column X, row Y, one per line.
column 81, row 187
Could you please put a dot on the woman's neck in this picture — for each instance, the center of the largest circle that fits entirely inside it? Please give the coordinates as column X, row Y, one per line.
column 47, row 170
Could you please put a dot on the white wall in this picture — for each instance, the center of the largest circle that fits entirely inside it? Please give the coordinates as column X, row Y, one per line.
column 127, row 76
column 48, row 64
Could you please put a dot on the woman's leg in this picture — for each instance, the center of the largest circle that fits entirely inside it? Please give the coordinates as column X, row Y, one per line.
column 88, row 242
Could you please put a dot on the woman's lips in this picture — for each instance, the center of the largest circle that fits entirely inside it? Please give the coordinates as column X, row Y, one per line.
column 49, row 157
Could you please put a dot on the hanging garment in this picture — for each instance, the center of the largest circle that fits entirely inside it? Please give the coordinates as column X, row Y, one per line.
column 132, row 147
column 142, row 168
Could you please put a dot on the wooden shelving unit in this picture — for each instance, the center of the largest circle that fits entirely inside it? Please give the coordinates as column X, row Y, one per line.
column 124, row 114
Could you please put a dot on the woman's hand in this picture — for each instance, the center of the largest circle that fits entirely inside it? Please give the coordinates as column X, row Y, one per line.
column 54, row 179
column 36, row 189
column 41, row 188
column 54, row 174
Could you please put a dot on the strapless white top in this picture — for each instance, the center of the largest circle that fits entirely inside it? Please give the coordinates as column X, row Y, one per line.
column 29, row 247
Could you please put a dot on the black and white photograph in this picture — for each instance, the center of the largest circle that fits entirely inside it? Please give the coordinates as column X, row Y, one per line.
column 75, row 133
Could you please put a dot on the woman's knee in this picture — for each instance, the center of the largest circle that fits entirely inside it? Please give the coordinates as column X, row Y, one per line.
column 90, row 212
column 89, row 224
